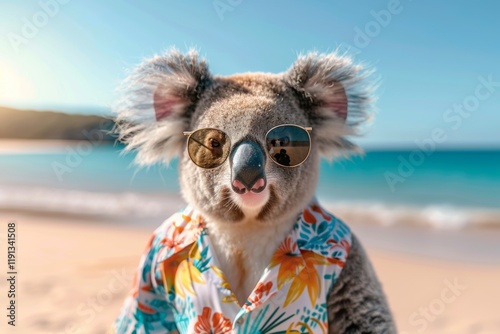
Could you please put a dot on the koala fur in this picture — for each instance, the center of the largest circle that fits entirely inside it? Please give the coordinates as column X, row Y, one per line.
column 175, row 92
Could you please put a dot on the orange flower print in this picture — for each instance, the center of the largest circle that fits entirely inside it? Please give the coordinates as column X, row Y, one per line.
column 308, row 277
column 174, row 241
column 189, row 228
column 170, row 266
column 188, row 273
column 344, row 244
column 319, row 210
column 300, row 268
column 213, row 324
column 309, row 217
column 261, row 290
column 144, row 308
column 289, row 260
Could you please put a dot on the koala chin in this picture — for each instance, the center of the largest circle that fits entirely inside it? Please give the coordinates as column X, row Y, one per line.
column 254, row 252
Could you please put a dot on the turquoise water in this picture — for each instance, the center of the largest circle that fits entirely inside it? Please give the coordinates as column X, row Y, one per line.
column 457, row 177
column 464, row 178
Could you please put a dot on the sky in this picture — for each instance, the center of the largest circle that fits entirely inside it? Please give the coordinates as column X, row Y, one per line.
column 437, row 61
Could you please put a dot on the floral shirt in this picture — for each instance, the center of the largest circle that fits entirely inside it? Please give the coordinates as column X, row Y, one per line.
column 179, row 286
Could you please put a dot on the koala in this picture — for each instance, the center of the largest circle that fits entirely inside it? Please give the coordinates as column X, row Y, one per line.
column 254, row 252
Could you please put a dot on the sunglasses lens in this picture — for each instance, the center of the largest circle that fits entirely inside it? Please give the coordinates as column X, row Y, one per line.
column 208, row 148
column 288, row 145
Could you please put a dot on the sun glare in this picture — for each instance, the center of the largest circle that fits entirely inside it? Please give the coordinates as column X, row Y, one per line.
column 14, row 86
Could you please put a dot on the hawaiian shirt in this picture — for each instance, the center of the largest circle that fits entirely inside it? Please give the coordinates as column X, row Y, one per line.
column 179, row 286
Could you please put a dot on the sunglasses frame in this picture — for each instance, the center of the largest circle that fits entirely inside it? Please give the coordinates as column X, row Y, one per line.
column 307, row 129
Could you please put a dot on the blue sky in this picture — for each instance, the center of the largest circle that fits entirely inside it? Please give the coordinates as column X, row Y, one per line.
column 430, row 55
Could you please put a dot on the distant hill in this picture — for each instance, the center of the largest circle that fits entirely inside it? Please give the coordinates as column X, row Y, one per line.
column 29, row 124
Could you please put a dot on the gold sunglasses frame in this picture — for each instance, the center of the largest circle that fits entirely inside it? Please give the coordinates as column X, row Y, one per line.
column 307, row 129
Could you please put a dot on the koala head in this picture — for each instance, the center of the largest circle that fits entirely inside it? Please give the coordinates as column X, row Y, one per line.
column 245, row 174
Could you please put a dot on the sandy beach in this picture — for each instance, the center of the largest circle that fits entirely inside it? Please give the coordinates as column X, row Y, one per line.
column 74, row 272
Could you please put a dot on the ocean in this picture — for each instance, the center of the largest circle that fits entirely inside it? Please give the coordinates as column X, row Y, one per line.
column 445, row 189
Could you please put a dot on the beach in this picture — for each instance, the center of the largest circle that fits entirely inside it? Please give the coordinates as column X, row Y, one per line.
column 74, row 272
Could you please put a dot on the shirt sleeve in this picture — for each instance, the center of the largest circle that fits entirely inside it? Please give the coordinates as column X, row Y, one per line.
column 146, row 309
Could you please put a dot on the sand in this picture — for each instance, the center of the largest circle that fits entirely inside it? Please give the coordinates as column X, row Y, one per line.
column 74, row 273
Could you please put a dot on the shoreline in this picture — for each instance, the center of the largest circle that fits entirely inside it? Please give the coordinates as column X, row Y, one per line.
column 474, row 245
column 112, row 205
column 36, row 146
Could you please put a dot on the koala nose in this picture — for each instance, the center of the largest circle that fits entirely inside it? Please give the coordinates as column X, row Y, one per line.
column 247, row 167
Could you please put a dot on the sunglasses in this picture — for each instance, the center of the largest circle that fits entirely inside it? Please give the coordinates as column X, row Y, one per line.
column 287, row 145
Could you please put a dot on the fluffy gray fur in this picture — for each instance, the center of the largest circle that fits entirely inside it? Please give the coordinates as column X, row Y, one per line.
column 247, row 106
column 181, row 76
column 315, row 76
column 356, row 303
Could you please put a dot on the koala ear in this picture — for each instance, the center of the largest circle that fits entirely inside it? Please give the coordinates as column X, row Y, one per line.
column 158, row 99
column 337, row 96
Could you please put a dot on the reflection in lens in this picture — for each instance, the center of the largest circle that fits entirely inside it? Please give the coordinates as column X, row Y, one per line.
column 208, row 148
column 288, row 145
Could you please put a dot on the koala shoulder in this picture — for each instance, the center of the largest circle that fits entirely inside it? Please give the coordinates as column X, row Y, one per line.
column 357, row 303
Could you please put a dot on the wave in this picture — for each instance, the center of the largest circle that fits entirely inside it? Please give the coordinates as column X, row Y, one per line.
column 157, row 206
column 439, row 216
column 119, row 205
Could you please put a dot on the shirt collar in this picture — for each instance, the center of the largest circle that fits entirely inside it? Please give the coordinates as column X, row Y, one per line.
column 315, row 230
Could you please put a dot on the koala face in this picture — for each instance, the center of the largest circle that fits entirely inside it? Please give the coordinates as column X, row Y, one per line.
column 238, row 180
column 258, row 103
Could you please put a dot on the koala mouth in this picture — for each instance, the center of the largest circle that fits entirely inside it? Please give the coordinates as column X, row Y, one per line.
column 253, row 197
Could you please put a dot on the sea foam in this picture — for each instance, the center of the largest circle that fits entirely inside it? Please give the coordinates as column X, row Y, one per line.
column 158, row 206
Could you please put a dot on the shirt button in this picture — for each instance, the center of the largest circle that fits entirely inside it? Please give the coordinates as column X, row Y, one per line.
column 240, row 321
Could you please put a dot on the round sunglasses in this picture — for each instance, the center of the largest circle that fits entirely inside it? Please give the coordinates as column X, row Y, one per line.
column 287, row 145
